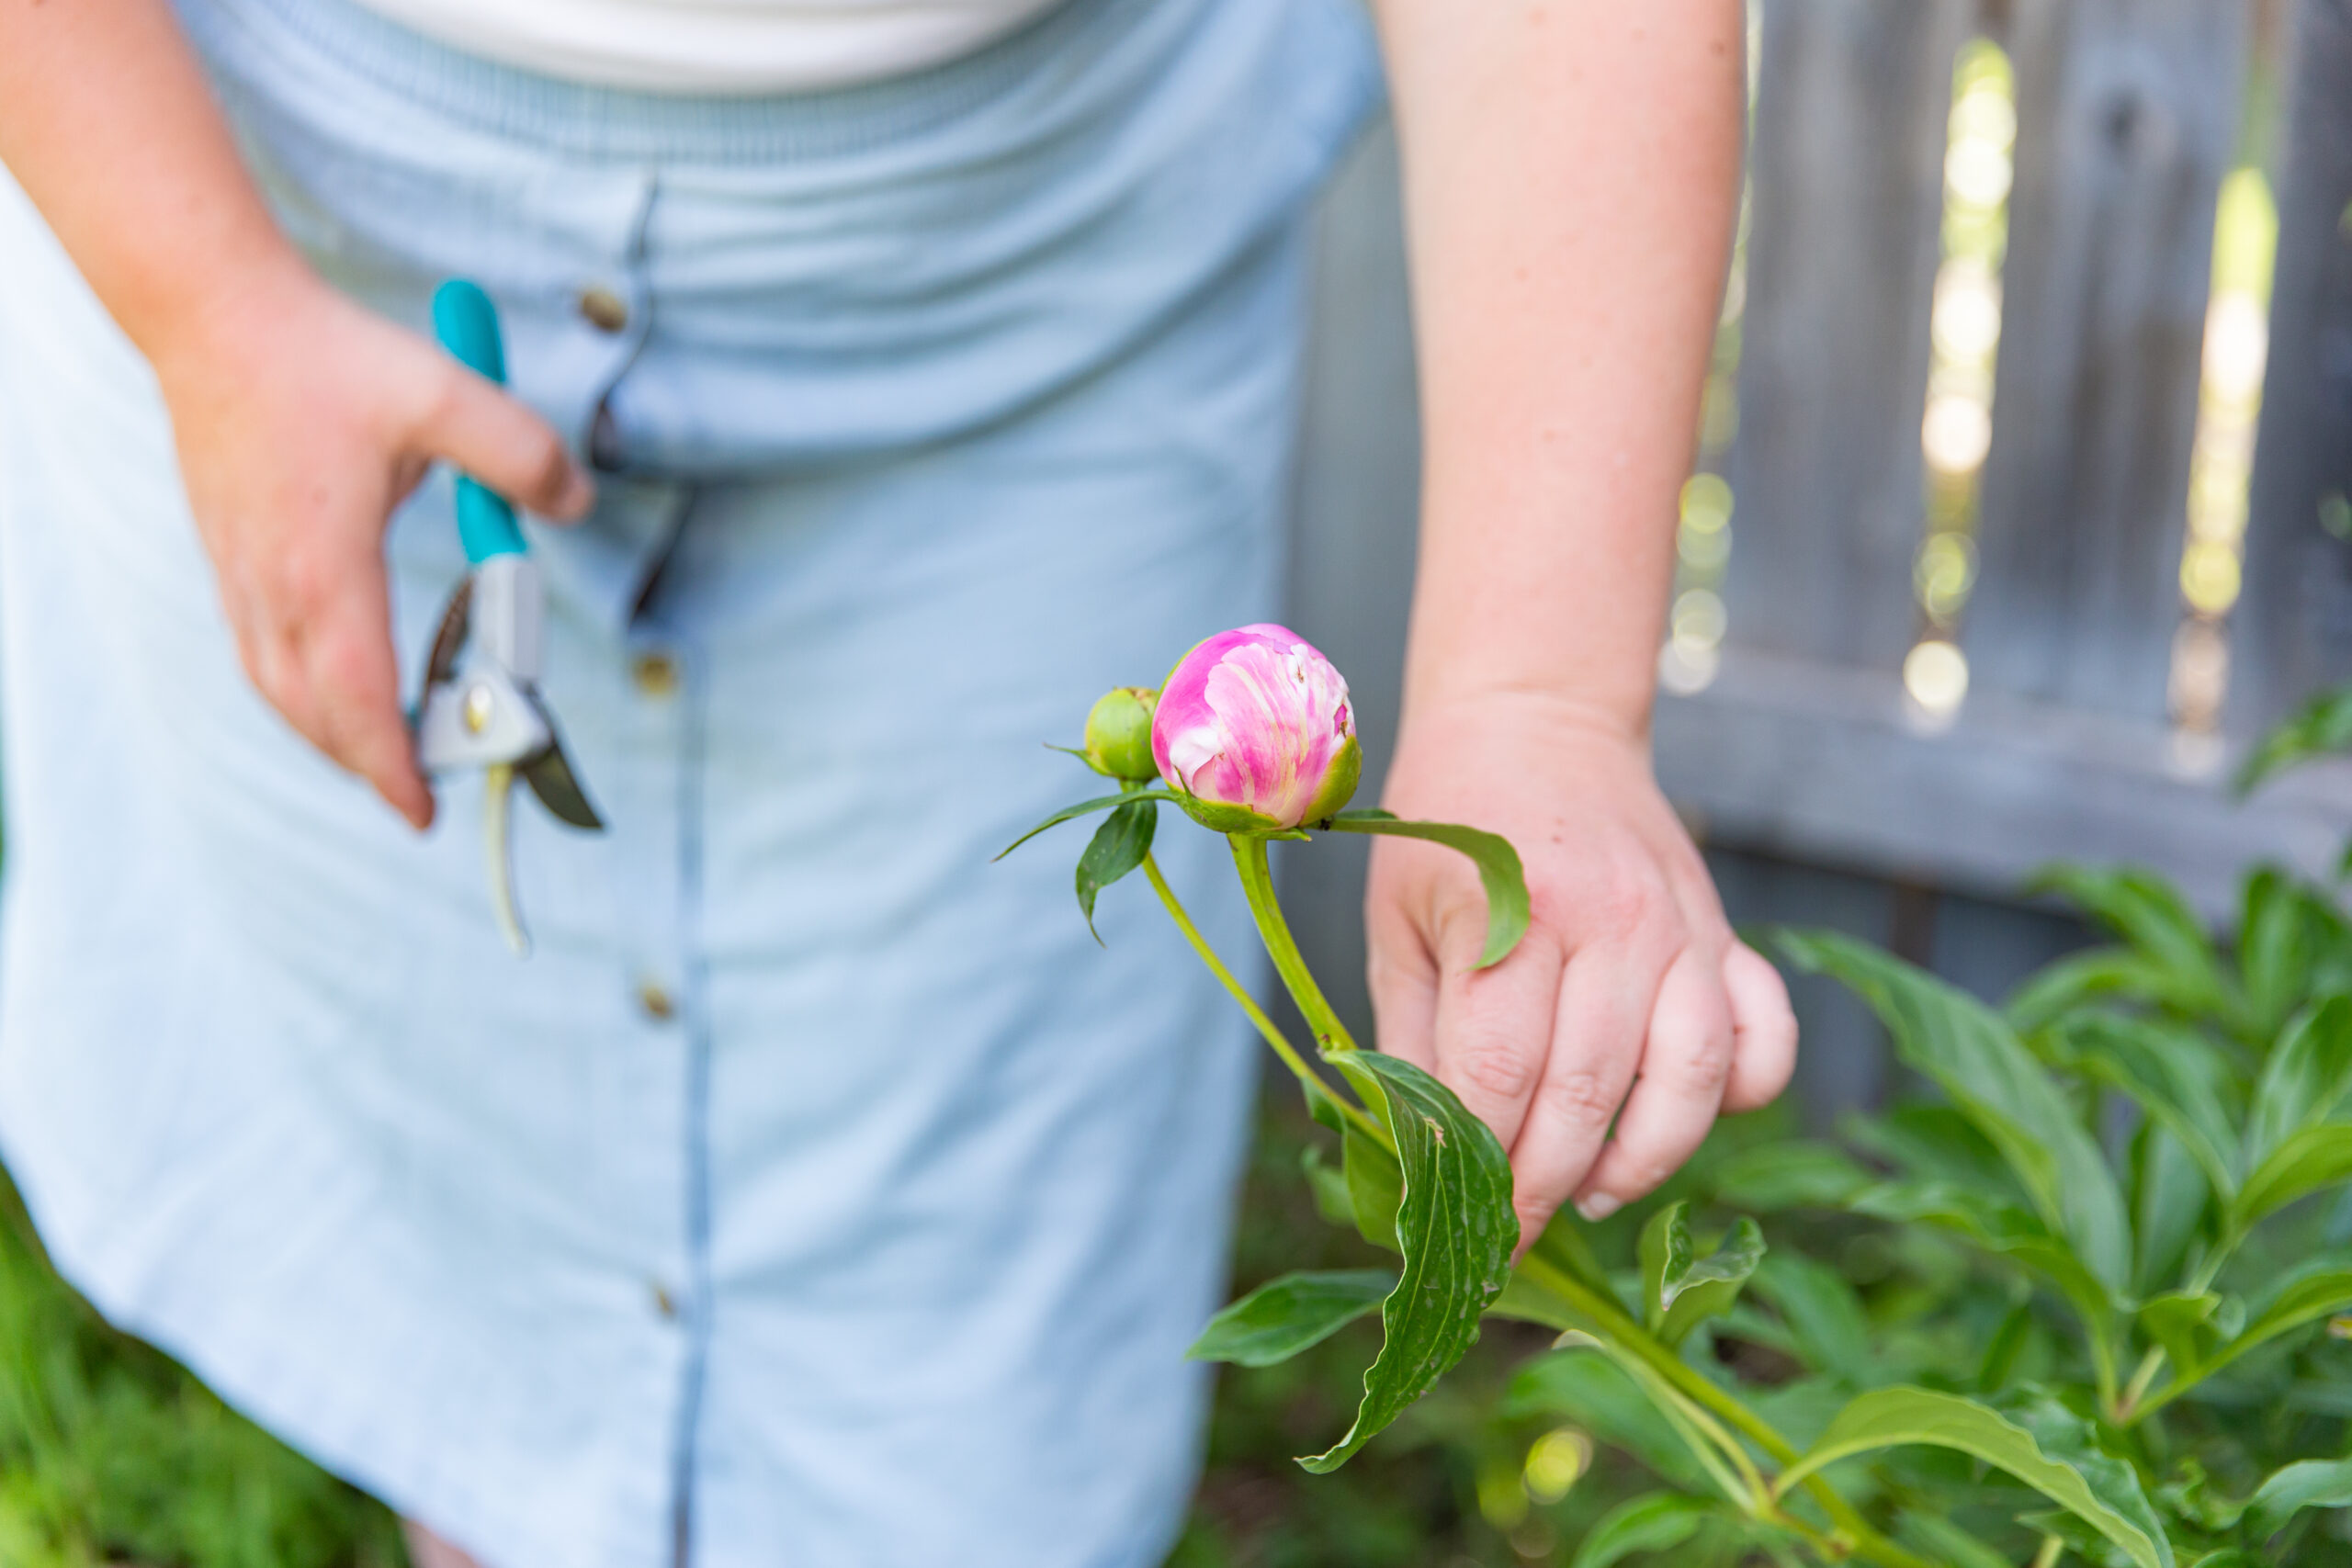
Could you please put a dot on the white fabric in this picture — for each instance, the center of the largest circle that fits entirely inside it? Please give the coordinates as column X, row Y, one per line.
column 714, row 46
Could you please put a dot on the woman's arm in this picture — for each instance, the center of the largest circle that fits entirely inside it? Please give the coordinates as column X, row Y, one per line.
column 301, row 420
column 1571, row 172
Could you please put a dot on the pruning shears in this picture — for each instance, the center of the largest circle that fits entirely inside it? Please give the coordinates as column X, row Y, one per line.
column 488, row 714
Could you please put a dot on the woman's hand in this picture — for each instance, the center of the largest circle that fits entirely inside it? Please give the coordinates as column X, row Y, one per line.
column 301, row 422
column 1629, row 999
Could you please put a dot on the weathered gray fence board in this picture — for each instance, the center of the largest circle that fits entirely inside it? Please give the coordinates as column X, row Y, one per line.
column 2292, row 629
column 2127, row 116
column 1848, row 173
column 1809, row 761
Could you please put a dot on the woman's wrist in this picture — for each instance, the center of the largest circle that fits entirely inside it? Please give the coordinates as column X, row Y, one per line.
column 1597, row 709
column 190, row 328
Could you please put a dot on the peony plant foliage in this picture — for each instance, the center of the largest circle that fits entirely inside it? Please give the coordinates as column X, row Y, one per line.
column 2100, row 1320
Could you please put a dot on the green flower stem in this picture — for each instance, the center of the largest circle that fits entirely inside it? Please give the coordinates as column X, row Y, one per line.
column 2053, row 1547
column 2122, row 1409
column 1258, row 882
column 1274, row 1037
column 1867, row 1542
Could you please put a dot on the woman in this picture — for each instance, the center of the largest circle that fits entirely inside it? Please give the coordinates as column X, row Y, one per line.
column 818, row 1192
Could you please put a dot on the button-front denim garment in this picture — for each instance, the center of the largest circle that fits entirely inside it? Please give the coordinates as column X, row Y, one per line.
column 815, row 1171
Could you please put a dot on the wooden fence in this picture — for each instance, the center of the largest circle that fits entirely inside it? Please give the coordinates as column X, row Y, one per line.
column 1822, row 789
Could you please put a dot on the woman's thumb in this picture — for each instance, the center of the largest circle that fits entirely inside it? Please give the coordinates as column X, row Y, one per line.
column 492, row 437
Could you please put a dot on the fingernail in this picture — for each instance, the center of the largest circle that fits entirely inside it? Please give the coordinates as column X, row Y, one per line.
column 1598, row 1207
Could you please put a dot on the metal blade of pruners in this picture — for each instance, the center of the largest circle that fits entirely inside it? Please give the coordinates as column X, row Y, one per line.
column 481, row 706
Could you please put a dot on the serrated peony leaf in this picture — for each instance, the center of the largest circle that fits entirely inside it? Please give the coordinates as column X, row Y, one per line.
column 1893, row 1417
column 2308, row 1483
column 2072, row 1441
column 1978, row 1060
column 1118, row 848
column 1454, row 1225
column 1499, row 872
column 1658, row 1521
column 1284, row 1316
column 1682, row 1289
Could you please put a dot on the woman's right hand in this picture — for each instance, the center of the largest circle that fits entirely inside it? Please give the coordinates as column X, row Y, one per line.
column 301, row 422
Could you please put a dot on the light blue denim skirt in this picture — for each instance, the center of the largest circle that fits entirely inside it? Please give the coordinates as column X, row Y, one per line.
column 818, row 1194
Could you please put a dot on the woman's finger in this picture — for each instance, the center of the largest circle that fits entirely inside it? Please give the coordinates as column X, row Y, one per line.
column 1595, row 1034
column 354, row 680
column 1494, row 1026
column 1684, row 1066
column 1764, row 1029
column 492, row 437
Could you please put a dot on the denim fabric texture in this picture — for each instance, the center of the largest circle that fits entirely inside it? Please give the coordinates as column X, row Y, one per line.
column 818, row 1194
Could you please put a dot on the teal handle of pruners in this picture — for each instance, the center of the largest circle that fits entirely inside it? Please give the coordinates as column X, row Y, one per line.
column 467, row 324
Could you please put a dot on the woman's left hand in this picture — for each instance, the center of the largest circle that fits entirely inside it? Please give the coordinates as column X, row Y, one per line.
column 1628, row 1000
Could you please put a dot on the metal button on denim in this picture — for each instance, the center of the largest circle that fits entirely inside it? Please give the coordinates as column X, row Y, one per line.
column 603, row 309
column 656, row 674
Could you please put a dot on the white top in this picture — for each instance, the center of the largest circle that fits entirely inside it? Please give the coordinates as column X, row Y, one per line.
column 714, row 46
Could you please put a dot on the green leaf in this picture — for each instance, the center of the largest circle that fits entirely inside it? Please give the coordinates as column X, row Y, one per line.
column 2308, row 1483
column 2175, row 1075
column 1375, row 1184
column 1824, row 1315
column 2306, row 1077
column 2301, row 1163
column 1658, row 1521
column 1118, row 848
column 2320, row 1288
column 1795, row 1173
column 2323, row 726
column 2171, row 1195
column 1682, row 1289
column 2192, row 1327
column 1284, row 1316
column 2282, row 932
column 1328, row 1184
column 1455, row 1226
column 1599, row 1396
column 2010, row 1233
column 1944, row 1541
column 1498, row 869
column 1100, row 803
column 1980, row 1063
column 1893, row 1417
column 2101, row 975
column 2149, row 913
column 2071, row 1440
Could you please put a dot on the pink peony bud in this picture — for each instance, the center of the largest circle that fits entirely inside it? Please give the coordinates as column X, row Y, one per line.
column 1254, row 729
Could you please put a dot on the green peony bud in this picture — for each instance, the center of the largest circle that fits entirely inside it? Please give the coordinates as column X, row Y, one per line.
column 1118, row 734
